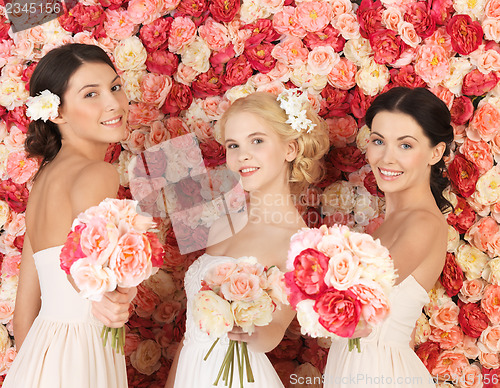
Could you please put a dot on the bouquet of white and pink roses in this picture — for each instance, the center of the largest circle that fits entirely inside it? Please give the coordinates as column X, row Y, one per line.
column 337, row 280
column 238, row 292
column 109, row 246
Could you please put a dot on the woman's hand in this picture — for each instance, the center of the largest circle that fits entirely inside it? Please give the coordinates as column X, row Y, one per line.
column 237, row 334
column 362, row 330
column 113, row 309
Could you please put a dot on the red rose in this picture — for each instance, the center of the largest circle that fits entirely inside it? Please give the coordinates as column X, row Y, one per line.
column 328, row 37
column 150, row 164
column 191, row 8
column 223, row 56
column 19, row 242
column 179, row 98
column 462, row 217
column 406, row 76
column 428, row 353
column 335, row 102
column 17, row 117
column 155, row 34
column 461, row 110
column 472, row 319
column 370, row 17
column 27, row 74
column 162, row 62
column 370, row 184
column 360, row 103
column 464, row 175
column 262, row 31
column 287, row 349
column 332, row 174
column 387, row 46
column 69, row 23
column 224, row 10
column 4, row 28
column 260, row 58
column 208, row 84
column 419, row 17
column 476, row 83
column 88, row 16
column 188, row 193
column 157, row 252
column 113, row 152
column 213, row 153
column 466, row 35
column 347, row 159
column 72, row 251
column 238, row 71
column 309, row 271
column 491, row 377
column 452, row 277
column 312, row 217
column 16, row 195
column 339, row 311
column 124, row 193
column 111, row 4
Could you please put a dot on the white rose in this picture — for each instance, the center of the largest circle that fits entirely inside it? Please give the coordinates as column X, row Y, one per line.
column 453, row 239
column 251, row 10
column 161, row 283
column 363, row 138
column 491, row 272
column 372, row 78
column 196, row 55
column 146, row 358
column 308, row 319
column 358, row 51
column 212, row 314
column 132, row 83
column 43, row 106
column 365, row 208
column 130, row 54
column 459, row 67
column 488, row 187
column 92, row 279
column 238, row 92
column 475, row 9
column 339, row 196
column 422, row 329
column 5, row 342
column 258, row 312
column 4, row 213
column 471, row 260
column 301, row 77
column 13, row 92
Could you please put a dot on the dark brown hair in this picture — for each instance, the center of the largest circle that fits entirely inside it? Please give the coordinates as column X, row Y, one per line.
column 53, row 73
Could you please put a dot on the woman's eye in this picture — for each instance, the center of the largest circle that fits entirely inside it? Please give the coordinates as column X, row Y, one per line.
column 116, row 88
column 231, row 146
column 405, row 146
column 377, row 141
column 90, row 94
column 257, row 141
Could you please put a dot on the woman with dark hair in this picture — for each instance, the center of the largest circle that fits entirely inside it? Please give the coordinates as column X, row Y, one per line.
column 78, row 107
column 410, row 134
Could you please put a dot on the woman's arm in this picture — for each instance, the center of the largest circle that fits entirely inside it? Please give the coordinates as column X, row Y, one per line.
column 173, row 369
column 266, row 338
column 28, row 301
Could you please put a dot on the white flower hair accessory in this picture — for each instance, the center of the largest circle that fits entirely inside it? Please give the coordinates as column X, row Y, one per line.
column 43, row 106
column 292, row 102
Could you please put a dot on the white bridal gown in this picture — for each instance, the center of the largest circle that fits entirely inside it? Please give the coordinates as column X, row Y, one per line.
column 63, row 348
column 192, row 370
column 386, row 359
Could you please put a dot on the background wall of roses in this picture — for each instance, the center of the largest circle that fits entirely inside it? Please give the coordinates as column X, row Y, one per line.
column 184, row 61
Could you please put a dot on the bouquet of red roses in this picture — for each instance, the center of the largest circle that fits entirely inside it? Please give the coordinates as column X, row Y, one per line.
column 109, row 245
column 337, row 280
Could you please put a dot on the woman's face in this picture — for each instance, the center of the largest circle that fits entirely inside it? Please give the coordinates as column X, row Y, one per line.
column 257, row 153
column 399, row 152
column 95, row 105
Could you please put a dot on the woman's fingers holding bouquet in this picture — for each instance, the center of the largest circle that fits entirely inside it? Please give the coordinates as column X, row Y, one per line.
column 113, row 309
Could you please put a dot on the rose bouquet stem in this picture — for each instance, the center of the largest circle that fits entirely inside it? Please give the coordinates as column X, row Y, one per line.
column 354, row 342
column 229, row 358
column 244, row 354
column 240, row 364
column 117, row 338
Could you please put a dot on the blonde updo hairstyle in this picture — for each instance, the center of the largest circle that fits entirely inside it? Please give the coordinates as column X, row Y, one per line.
column 307, row 168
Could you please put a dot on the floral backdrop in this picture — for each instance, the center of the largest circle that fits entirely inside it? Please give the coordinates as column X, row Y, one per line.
column 184, row 61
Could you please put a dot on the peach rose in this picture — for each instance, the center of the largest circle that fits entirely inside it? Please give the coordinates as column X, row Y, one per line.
column 450, row 363
column 182, row 32
column 340, row 7
column 489, row 60
column 489, row 360
column 215, row 34
column 92, row 279
column 375, row 306
column 489, row 341
column 185, row 74
column 392, row 17
column 343, row 75
column 212, row 314
column 343, row 271
column 142, row 11
column 166, row 312
column 6, row 359
column 445, row 317
column 154, row 88
column 156, row 135
column 472, row 290
column 242, row 287
column 322, row 59
column 491, row 303
column 469, row 347
column 220, row 274
column 6, row 311
column 481, row 232
column 408, row 34
column 485, row 121
column 291, row 52
column 492, row 9
column 471, row 377
column 146, row 358
column 276, row 285
column 21, row 168
column 141, row 114
column 286, row 22
column 479, row 153
column 130, row 54
column 257, row 312
column 98, row 239
column 314, row 15
column 432, row 64
column 131, row 261
column 118, row 24
column 491, row 28
column 348, row 25
column 447, row 339
column 15, row 140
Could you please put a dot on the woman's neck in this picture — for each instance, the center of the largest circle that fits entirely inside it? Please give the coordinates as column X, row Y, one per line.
column 93, row 151
column 410, row 199
column 272, row 208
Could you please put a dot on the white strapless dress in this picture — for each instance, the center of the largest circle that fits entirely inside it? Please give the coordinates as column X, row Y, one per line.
column 63, row 348
column 192, row 370
column 386, row 359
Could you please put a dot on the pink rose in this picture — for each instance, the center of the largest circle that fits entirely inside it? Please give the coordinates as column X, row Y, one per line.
column 447, row 339
column 387, row 46
column 314, row 15
column 374, row 304
column 98, row 240
column 322, row 59
column 215, row 34
column 10, row 265
column 145, row 301
column 342, row 130
column 491, row 303
column 461, row 110
column 343, row 74
column 158, row 133
column 406, row 76
column 306, row 238
column 479, row 153
column 219, row 274
column 131, row 261
column 194, row 8
column 472, row 290
column 489, row 342
column 417, row 14
column 154, row 36
column 481, row 232
column 118, row 24
column 224, row 10
column 182, row 33
column 450, row 363
column 92, row 279
column 432, row 64
column 370, row 17
column 238, row 71
column 142, row 11
column 155, row 88
column 339, row 311
column 21, row 168
column 472, row 319
column 291, row 52
column 162, row 62
column 6, row 311
column 241, row 287
column 348, row 26
column 72, row 251
column 286, row 22
column 485, row 121
column 445, row 317
column 329, row 37
column 476, row 83
column 142, row 114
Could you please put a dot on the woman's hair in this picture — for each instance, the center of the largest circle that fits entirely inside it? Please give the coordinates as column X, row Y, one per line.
column 432, row 115
column 307, row 167
column 53, row 73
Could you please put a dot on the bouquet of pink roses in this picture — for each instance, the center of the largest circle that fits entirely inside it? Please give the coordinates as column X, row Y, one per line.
column 238, row 292
column 337, row 280
column 109, row 246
